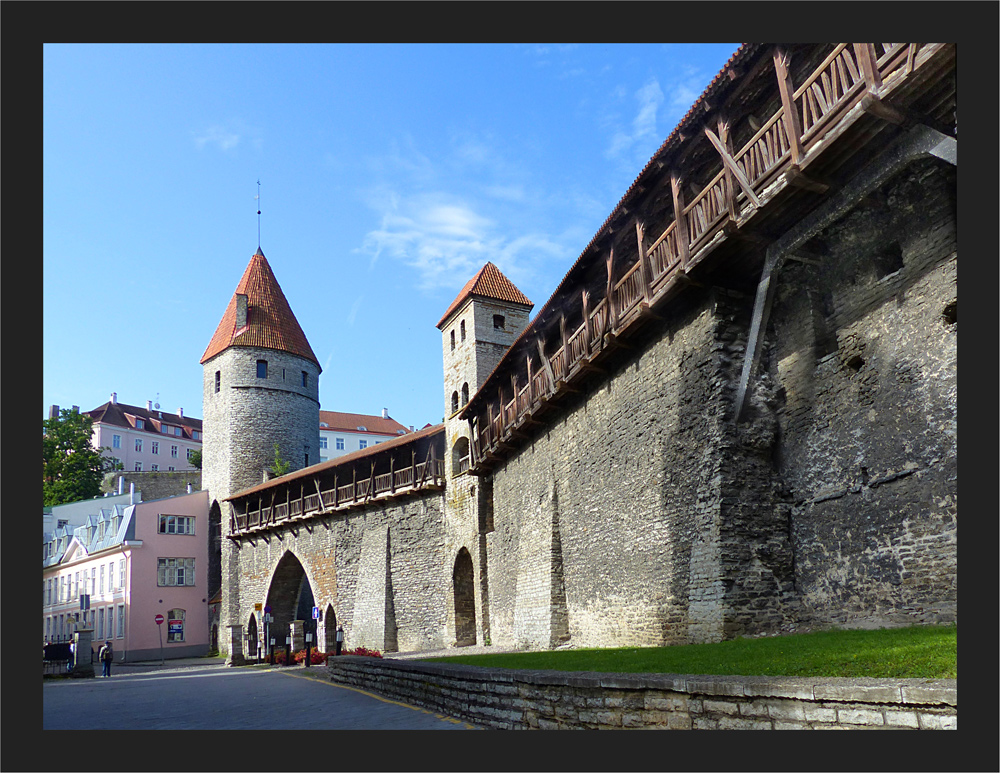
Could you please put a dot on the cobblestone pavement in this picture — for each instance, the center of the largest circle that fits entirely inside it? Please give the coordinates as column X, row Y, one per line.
column 204, row 693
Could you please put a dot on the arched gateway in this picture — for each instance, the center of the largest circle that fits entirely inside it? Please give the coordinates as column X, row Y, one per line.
column 290, row 599
column 465, row 600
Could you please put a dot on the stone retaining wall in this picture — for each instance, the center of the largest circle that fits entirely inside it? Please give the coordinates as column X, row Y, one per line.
column 516, row 699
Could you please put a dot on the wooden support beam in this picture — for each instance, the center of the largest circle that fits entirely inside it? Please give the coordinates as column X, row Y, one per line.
column 644, row 270
column 875, row 106
column 793, row 128
column 794, row 176
column 609, row 295
column 733, row 167
column 585, row 301
column 727, row 141
column 683, row 238
column 545, row 364
column 868, row 63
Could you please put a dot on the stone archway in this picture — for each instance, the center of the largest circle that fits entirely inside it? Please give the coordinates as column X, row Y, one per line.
column 329, row 629
column 252, row 639
column 465, row 599
column 289, row 596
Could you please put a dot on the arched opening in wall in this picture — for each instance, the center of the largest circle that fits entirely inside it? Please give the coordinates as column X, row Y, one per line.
column 213, row 642
column 454, row 401
column 465, row 394
column 253, row 642
column 460, row 456
column 289, row 595
column 329, row 629
column 214, row 577
column 465, row 600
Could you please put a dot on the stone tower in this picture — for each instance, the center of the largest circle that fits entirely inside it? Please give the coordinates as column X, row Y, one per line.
column 478, row 328
column 261, row 388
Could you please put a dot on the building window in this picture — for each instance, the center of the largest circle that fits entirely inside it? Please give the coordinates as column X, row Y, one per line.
column 340, row 444
column 176, row 524
column 138, row 466
column 462, row 328
column 305, row 379
column 322, row 442
column 111, row 621
column 116, row 441
column 173, row 452
column 465, row 394
column 140, row 424
column 111, row 576
column 154, row 467
column 362, row 444
column 100, row 623
column 453, row 340
column 175, row 625
column 195, row 434
column 170, row 469
column 498, row 322
column 138, row 444
column 261, row 368
column 454, row 401
column 190, row 453
column 101, row 586
column 121, row 574
column 155, row 446
column 120, row 633
column 218, row 380
column 174, row 571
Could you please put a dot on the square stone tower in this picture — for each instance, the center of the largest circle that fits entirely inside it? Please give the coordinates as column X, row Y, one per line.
column 478, row 328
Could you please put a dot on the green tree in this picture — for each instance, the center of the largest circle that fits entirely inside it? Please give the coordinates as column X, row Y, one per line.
column 280, row 467
column 195, row 460
column 72, row 469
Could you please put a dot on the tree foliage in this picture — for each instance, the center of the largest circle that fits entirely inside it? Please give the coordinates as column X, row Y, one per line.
column 195, row 459
column 72, row 469
column 280, row 466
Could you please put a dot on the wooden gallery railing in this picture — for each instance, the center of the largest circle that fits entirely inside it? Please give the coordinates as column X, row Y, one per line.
column 783, row 143
column 263, row 511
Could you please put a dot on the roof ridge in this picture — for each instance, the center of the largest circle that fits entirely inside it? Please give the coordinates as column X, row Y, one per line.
column 488, row 282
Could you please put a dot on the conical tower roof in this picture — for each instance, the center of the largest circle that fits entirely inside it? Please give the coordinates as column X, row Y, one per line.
column 270, row 322
column 489, row 282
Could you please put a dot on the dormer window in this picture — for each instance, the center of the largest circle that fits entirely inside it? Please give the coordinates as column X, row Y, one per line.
column 362, row 429
column 140, row 424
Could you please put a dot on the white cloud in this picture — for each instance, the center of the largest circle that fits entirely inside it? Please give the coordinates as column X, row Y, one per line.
column 644, row 123
column 353, row 313
column 217, row 135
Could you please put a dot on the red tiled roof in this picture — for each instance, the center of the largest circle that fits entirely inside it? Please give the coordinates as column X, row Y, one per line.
column 270, row 321
column 117, row 414
column 489, row 282
column 349, row 422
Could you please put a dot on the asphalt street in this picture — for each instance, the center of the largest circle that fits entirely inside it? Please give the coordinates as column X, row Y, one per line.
column 209, row 695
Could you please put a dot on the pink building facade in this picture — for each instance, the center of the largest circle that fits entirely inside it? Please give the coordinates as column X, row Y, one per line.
column 135, row 562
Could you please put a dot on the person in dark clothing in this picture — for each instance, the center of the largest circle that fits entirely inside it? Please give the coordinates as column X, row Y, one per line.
column 107, row 657
column 340, row 638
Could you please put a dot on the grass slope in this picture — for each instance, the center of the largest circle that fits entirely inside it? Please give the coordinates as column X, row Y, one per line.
column 918, row 652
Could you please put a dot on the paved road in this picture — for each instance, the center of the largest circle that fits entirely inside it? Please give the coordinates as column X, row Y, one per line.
column 213, row 696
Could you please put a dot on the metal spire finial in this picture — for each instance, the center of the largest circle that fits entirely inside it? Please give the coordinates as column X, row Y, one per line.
column 257, row 197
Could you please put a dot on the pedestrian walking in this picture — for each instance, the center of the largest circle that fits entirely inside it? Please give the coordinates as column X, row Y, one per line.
column 72, row 657
column 107, row 657
column 340, row 638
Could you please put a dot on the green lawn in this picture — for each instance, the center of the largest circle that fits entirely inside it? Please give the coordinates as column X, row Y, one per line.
column 918, row 652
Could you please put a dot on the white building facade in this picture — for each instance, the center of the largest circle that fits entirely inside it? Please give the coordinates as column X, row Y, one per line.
column 342, row 433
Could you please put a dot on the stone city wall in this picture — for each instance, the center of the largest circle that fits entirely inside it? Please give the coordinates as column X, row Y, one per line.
column 554, row 700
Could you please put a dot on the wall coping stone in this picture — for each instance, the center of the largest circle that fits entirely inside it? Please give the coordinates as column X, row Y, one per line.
column 934, row 692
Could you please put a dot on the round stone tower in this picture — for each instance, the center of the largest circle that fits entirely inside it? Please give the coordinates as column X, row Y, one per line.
column 261, row 390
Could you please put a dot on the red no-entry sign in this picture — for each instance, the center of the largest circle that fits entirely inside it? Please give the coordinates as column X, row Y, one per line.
column 159, row 619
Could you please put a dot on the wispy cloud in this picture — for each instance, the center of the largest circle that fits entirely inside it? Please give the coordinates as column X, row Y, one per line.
column 218, row 136
column 353, row 313
column 643, row 127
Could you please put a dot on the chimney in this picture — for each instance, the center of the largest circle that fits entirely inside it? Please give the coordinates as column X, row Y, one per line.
column 385, row 413
column 54, row 412
column 241, row 310
column 114, row 398
column 121, row 484
column 131, row 493
column 149, row 405
column 180, row 412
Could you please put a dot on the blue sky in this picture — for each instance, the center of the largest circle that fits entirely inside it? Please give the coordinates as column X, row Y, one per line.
column 389, row 174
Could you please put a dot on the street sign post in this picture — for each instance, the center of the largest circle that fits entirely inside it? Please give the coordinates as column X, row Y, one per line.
column 159, row 632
